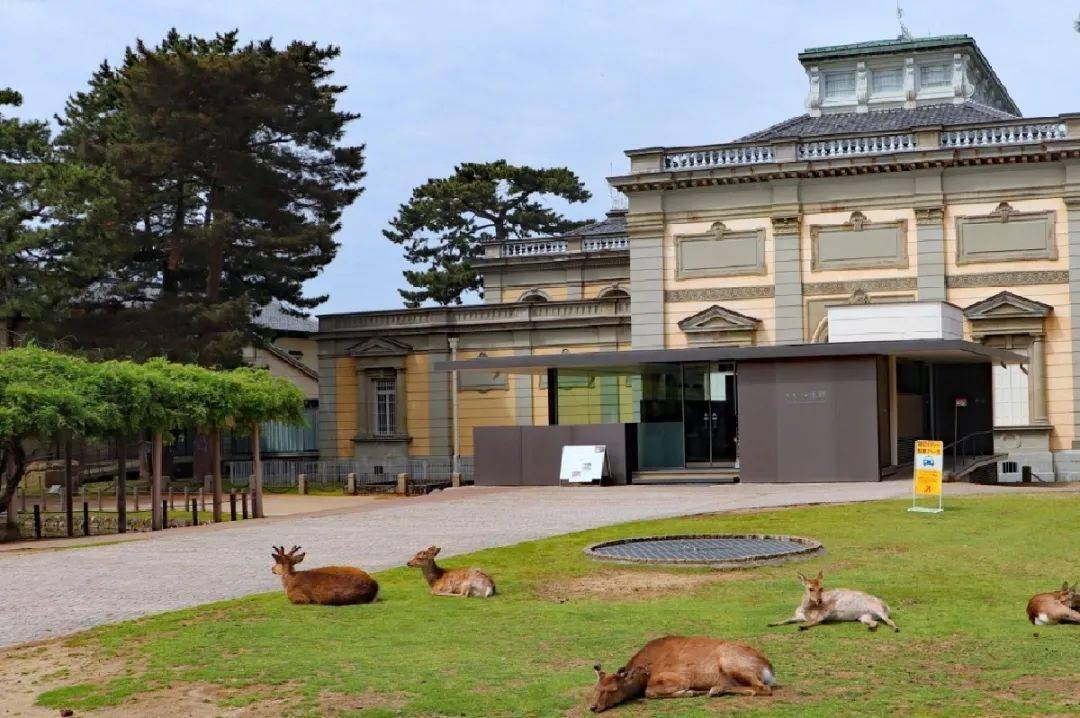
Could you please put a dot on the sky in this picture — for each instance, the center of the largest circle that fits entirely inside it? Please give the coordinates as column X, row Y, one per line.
column 555, row 83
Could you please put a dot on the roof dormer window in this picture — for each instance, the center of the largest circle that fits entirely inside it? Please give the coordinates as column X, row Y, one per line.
column 934, row 75
column 887, row 80
column 839, row 84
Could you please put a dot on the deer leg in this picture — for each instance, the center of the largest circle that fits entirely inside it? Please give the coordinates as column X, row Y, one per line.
column 793, row 619
column 810, row 623
column 669, row 685
column 889, row 622
column 869, row 620
column 1069, row 616
column 743, row 683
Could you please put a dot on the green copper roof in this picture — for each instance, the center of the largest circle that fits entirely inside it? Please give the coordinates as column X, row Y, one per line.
column 879, row 46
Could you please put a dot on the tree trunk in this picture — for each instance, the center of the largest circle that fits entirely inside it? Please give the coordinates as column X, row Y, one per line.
column 121, row 485
column 256, row 474
column 215, row 459
column 69, row 490
column 14, row 467
column 158, row 520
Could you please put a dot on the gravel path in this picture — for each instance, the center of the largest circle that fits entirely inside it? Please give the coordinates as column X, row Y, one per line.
column 44, row 594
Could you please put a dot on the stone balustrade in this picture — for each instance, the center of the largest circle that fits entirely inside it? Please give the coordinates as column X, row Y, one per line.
column 1004, row 135
column 604, row 244
column 593, row 311
column 534, row 248
column 852, row 146
column 718, row 157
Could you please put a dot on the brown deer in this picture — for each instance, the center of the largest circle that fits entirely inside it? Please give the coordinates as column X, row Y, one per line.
column 837, row 605
column 683, row 666
column 1055, row 607
column 462, row 582
column 328, row 586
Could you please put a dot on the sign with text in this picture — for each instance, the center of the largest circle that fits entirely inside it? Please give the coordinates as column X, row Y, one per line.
column 929, row 471
column 583, row 464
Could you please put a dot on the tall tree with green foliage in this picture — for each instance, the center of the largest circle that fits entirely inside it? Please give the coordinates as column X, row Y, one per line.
column 232, row 174
column 39, row 271
column 446, row 221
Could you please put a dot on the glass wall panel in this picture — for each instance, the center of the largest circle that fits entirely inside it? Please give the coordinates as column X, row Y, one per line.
column 598, row 397
column 660, row 426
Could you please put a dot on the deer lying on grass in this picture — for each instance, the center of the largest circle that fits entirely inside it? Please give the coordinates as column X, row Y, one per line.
column 1055, row 607
column 328, row 586
column 837, row 605
column 682, row 666
column 462, row 582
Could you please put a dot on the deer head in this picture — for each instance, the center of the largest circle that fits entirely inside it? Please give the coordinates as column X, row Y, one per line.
column 425, row 556
column 284, row 562
column 1067, row 594
column 813, row 587
column 614, row 688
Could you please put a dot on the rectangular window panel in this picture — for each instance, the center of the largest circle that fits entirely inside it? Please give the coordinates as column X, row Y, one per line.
column 934, row 75
column 887, row 80
column 839, row 84
column 384, row 419
column 1010, row 396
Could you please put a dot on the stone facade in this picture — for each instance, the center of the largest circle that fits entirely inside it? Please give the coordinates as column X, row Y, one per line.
column 933, row 195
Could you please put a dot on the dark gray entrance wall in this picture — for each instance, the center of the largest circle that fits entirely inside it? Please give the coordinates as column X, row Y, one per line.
column 808, row 420
column 530, row 455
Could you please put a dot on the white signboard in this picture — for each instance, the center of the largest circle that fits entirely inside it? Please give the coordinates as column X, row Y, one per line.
column 582, row 464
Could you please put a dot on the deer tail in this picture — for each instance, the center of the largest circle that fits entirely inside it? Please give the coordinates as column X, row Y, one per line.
column 767, row 676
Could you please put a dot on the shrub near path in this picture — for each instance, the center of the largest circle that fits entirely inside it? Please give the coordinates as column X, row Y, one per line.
column 958, row 584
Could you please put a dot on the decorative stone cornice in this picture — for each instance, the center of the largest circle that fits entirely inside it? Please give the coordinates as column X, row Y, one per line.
column 786, row 225
column 1005, row 304
column 889, row 284
column 719, row 294
column 929, row 216
column 1007, row 279
column 645, row 224
column 719, row 326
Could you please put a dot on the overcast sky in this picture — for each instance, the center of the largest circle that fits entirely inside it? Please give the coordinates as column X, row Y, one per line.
column 542, row 83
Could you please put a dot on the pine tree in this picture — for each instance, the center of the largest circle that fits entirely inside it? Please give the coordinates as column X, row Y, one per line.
column 231, row 177
column 447, row 220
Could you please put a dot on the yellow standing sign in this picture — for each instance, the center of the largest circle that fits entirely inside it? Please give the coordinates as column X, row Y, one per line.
column 929, row 470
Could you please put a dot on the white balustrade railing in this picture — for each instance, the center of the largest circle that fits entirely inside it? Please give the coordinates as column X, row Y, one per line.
column 534, row 249
column 602, row 244
column 1004, row 135
column 852, row 146
column 718, row 157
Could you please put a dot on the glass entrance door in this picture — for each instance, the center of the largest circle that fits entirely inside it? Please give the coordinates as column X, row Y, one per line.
column 710, row 414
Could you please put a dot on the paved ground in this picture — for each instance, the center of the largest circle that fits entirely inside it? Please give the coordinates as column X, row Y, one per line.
column 49, row 593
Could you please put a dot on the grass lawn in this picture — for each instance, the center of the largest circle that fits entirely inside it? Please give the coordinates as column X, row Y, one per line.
column 957, row 583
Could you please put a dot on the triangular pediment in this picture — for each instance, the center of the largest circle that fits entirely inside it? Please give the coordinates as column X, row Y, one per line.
column 1007, row 304
column 718, row 319
column 380, row 347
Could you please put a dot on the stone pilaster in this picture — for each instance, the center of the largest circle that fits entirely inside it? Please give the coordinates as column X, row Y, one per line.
column 787, row 268
column 1073, row 212
column 439, row 411
column 1037, row 408
column 646, row 233
column 327, row 429
column 929, row 224
column 522, row 383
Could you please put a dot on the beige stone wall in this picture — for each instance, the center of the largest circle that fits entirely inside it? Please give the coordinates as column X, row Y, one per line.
column 345, row 409
column 555, row 292
column 417, row 414
column 491, row 407
column 759, row 307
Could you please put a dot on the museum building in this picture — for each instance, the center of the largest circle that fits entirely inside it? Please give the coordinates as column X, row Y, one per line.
column 800, row 304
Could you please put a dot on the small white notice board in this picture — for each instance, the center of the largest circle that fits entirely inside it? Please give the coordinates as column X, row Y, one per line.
column 583, row 464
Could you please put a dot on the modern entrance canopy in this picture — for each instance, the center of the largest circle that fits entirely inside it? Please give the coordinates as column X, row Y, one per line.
column 938, row 350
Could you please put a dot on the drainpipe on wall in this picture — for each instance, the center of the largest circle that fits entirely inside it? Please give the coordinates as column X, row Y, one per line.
column 453, row 341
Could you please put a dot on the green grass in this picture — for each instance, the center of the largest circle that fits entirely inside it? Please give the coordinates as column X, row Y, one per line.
column 957, row 583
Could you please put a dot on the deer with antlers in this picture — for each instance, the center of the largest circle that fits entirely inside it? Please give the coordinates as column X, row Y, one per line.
column 462, row 582
column 328, row 586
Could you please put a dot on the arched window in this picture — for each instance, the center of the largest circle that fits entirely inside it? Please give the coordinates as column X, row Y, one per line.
column 533, row 296
column 614, row 293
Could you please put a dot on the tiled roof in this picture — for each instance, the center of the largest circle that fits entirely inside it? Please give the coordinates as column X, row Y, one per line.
column 875, row 47
column 613, row 223
column 896, row 120
column 273, row 316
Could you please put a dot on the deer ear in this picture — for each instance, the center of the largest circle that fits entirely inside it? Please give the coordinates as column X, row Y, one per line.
column 298, row 557
column 599, row 673
column 802, row 579
column 1065, row 586
column 820, row 575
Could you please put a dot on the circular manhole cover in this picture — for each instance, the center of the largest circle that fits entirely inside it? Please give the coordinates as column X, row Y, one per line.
column 714, row 550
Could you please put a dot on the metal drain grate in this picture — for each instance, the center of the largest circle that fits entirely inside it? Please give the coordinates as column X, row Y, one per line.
column 703, row 549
